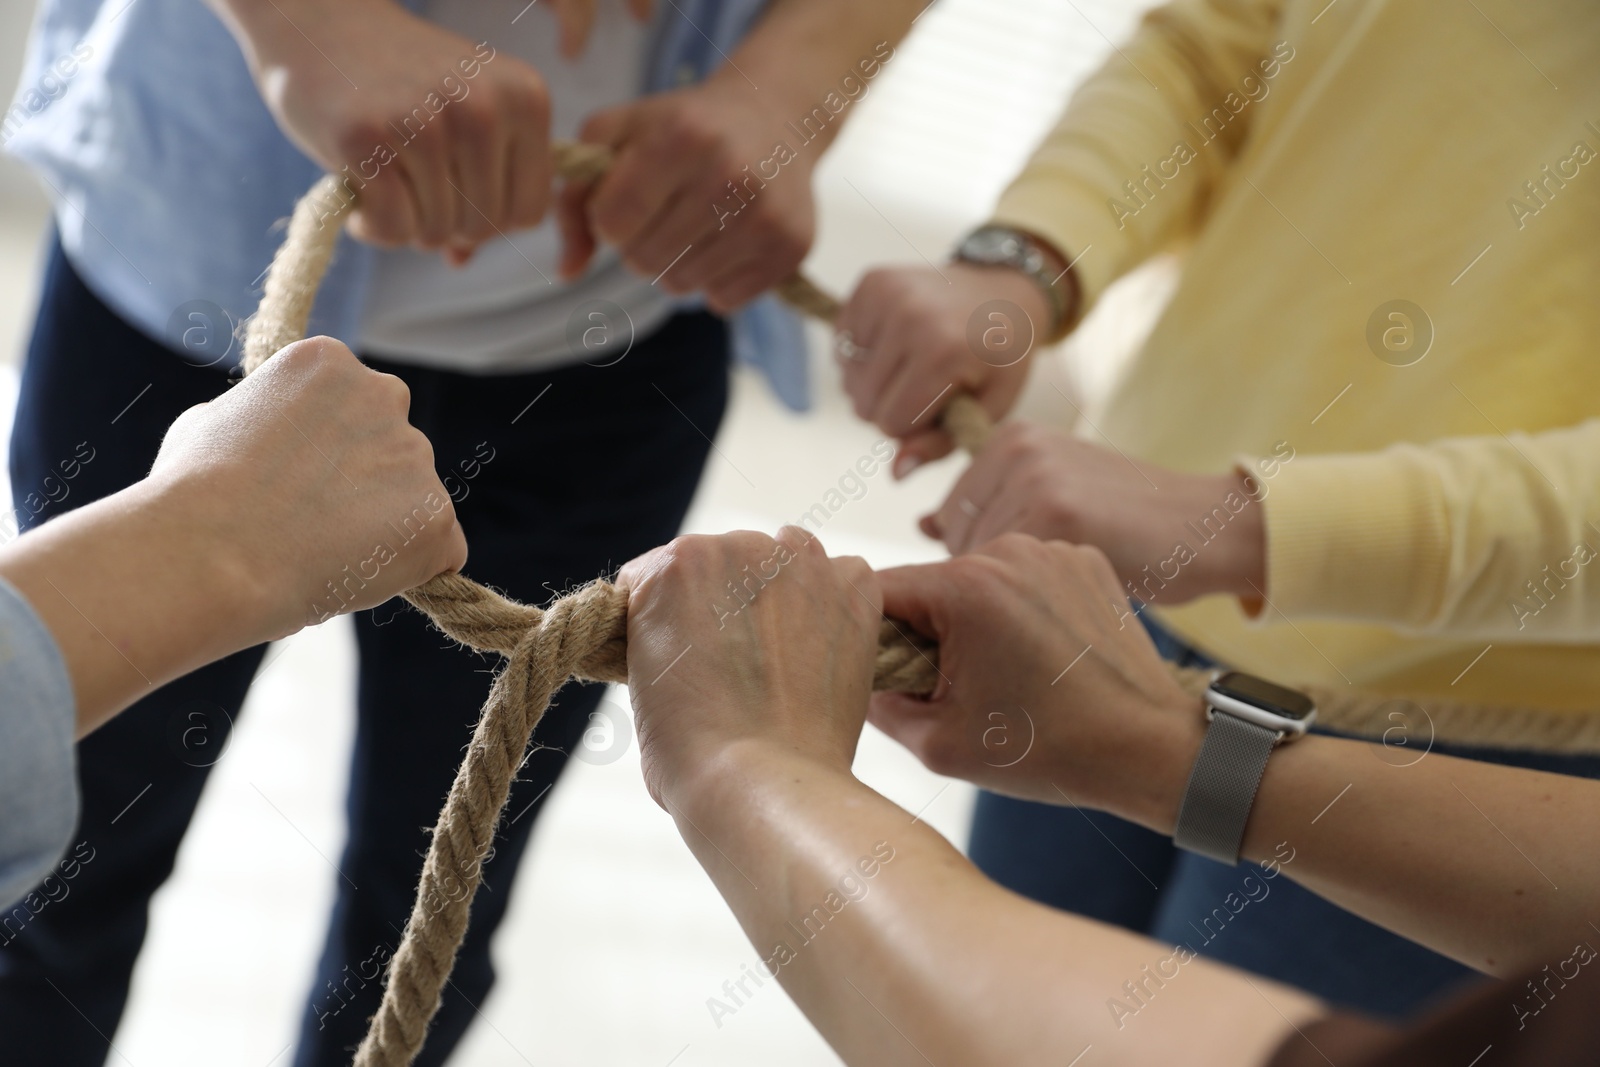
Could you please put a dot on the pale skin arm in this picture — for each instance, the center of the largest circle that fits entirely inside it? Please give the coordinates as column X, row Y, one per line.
column 1462, row 856
column 747, row 741
column 256, row 500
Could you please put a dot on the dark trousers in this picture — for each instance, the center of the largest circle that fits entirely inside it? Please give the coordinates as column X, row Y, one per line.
column 1101, row 866
column 600, row 468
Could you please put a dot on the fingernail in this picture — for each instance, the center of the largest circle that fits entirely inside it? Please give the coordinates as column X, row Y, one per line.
column 905, row 463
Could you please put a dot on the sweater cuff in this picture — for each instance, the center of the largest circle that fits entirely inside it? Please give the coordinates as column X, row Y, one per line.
column 1082, row 231
column 38, row 765
column 1356, row 537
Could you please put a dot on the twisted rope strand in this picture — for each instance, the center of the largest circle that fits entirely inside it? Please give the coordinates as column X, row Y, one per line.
column 584, row 635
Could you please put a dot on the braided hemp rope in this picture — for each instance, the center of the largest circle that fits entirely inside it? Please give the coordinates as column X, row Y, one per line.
column 583, row 635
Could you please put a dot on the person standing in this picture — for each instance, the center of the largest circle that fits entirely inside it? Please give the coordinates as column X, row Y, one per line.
column 569, row 381
column 1333, row 457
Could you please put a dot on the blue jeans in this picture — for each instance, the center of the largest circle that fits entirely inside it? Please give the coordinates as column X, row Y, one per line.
column 1103, row 867
column 549, row 496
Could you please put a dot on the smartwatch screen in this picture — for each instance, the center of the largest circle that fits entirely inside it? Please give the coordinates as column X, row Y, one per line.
column 1263, row 694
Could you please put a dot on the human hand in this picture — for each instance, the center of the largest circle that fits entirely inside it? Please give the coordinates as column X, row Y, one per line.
column 910, row 336
column 1051, row 690
column 447, row 142
column 576, row 18
column 747, row 639
column 666, row 203
column 1170, row 536
column 310, row 475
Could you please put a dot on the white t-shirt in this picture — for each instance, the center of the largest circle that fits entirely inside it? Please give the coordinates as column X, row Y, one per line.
column 507, row 311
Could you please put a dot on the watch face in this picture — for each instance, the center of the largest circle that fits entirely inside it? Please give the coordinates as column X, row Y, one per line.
column 1262, row 693
column 990, row 245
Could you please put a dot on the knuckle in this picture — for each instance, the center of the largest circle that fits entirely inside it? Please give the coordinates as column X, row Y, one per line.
column 1096, row 561
column 1014, row 543
column 477, row 115
column 398, row 393
column 358, row 137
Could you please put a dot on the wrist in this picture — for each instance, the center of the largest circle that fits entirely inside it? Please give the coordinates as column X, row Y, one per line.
column 1238, row 563
column 1144, row 779
column 243, row 595
column 1037, row 260
column 278, row 34
column 996, row 281
column 734, row 774
column 772, row 112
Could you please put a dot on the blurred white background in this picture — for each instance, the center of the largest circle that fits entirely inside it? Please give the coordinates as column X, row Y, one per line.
column 616, row 939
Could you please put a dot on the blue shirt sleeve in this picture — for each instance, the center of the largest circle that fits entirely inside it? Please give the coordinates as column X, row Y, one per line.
column 38, row 763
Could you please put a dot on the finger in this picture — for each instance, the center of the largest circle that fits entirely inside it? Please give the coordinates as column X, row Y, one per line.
column 634, row 572
column 477, row 174
column 386, row 214
column 1102, row 574
column 641, row 9
column 864, row 580
column 872, row 368
column 676, row 247
column 1006, row 512
column 737, row 286
column 915, row 595
column 800, row 540
column 922, row 446
column 640, row 184
column 528, row 165
column 961, row 510
column 572, row 220
column 455, row 549
column 527, row 180
column 426, row 165
column 577, row 20
column 907, row 719
column 862, row 318
column 884, row 361
column 910, row 403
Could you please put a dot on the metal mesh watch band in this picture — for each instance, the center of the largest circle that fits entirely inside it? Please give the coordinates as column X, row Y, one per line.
column 1222, row 787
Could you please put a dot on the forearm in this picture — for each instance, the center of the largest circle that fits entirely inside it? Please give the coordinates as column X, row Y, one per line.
column 923, row 956
column 1462, row 856
column 135, row 594
column 263, row 28
column 1466, row 537
column 1132, row 164
column 1459, row 855
column 803, row 52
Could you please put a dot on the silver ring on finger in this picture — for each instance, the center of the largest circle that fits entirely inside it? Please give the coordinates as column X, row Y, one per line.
column 845, row 348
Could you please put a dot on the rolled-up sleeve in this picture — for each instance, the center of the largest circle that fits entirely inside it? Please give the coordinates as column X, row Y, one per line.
column 38, row 770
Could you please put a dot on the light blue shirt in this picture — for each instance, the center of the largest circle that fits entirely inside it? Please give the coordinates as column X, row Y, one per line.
column 170, row 177
column 38, row 768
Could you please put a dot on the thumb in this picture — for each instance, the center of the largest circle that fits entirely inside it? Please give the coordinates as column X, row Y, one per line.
column 577, row 20
column 914, row 595
column 922, row 446
column 608, row 126
column 578, row 241
column 909, row 720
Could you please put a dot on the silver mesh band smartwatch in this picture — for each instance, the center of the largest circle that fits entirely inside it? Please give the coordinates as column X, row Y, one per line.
column 1248, row 717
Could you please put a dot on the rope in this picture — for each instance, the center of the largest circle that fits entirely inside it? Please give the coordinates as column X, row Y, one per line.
column 583, row 635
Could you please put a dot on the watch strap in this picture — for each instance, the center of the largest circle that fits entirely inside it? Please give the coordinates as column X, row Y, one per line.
column 1222, row 787
column 1037, row 260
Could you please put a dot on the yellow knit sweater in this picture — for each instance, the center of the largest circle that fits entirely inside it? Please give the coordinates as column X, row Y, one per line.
column 1390, row 214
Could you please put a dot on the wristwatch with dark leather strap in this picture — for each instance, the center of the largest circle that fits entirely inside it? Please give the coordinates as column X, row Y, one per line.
column 1002, row 246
